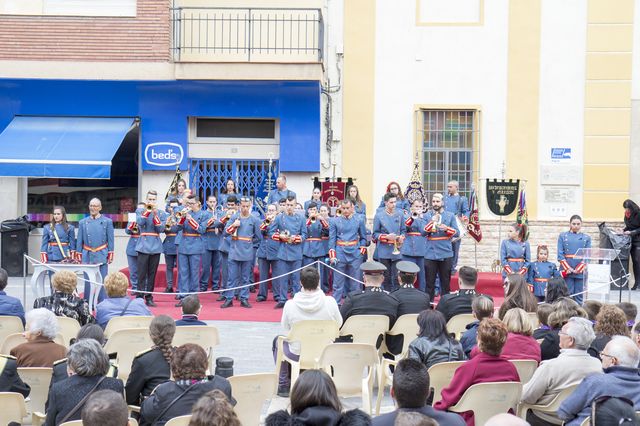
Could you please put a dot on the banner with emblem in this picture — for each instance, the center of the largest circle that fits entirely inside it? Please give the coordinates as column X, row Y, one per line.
column 502, row 196
column 522, row 217
column 415, row 189
column 333, row 193
column 474, row 218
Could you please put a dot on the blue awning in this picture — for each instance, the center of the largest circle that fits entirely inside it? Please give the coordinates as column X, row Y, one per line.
column 61, row 147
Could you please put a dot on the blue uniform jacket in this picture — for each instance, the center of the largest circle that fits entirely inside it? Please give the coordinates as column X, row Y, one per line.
column 133, row 239
column 315, row 245
column 401, row 205
column 515, row 257
column 276, row 195
column 150, row 226
column 170, row 236
column 268, row 248
column 248, row 233
column 213, row 236
column 95, row 239
column 224, row 237
column 539, row 275
column 456, row 204
column 347, row 238
column 295, row 225
column 414, row 243
column 192, row 231
column 306, row 205
column 50, row 245
column 383, row 224
column 568, row 244
column 361, row 209
column 438, row 243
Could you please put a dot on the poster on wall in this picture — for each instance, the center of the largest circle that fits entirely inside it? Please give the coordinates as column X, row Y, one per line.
column 502, row 196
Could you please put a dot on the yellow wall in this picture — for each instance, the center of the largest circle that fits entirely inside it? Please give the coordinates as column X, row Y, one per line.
column 523, row 88
column 358, row 100
column 607, row 112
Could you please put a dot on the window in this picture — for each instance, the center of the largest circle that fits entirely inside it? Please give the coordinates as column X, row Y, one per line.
column 235, row 128
column 449, row 143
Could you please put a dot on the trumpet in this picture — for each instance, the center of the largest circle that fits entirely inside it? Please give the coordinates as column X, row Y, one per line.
column 437, row 219
column 135, row 228
column 287, row 236
column 169, row 223
column 230, row 213
column 338, row 212
column 149, row 207
column 396, row 247
column 313, row 218
column 415, row 215
column 180, row 214
column 268, row 220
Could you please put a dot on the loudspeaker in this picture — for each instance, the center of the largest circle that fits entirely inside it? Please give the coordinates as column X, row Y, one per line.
column 15, row 243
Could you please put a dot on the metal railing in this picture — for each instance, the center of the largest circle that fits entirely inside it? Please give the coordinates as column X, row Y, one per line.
column 225, row 34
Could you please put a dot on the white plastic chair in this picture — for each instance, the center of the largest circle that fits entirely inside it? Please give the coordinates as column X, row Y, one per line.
column 205, row 336
column 440, row 376
column 179, row 421
column 526, row 368
column 488, row 399
column 365, row 328
column 69, row 328
column 407, row 326
column 9, row 325
column 551, row 408
column 38, row 378
column 129, row 321
column 251, row 391
column 13, row 406
column 533, row 317
column 458, row 324
column 126, row 344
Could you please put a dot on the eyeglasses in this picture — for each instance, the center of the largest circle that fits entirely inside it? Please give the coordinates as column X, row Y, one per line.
column 607, row 355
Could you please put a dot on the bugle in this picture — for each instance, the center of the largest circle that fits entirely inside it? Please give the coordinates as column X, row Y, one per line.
column 180, row 214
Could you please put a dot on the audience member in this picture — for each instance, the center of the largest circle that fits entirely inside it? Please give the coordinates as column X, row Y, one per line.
column 354, row 417
column 544, row 310
column 117, row 303
column 611, row 321
column 556, row 289
column 517, row 295
column 190, row 310
column 412, row 418
column 410, row 390
column 63, row 302
column 621, row 379
column 88, row 364
column 487, row 366
column 631, row 312
column 520, row 343
column 563, row 309
column 314, row 401
column 481, row 307
column 434, row 344
column 635, row 334
column 105, row 408
column 9, row 305
column 310, row 303
column 459, row 302
column 568, row 369
column 410, row 299
column 592, row 308
column 40, row 350
column 152, row 367
column 611, row 411
column 190, row 381
column 10, row 381
column 213, row 409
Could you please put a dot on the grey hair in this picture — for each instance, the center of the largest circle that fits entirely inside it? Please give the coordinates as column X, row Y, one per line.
column 626, row 352
column 44, row 321
column 87, row 358
column 454, row 182
column 437, row 196
column 581, row 330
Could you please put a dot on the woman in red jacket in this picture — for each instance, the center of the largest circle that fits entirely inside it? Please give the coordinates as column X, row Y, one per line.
column 487, row 366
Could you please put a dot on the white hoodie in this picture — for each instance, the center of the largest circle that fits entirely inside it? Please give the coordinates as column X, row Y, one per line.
column 310, row 306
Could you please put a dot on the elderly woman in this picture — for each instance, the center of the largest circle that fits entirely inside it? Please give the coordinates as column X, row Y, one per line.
column 152, row 367
column 63, row 302
column 487, row 366
column 40, row 350
column 563, row 309
column 176, row 398
column 117, row 303
column 568, row 369
column 520, row 342
column 610, row 321
column 434, row 344
column 87, row 363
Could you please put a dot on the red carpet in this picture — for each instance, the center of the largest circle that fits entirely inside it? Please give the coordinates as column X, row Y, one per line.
column 489, row 283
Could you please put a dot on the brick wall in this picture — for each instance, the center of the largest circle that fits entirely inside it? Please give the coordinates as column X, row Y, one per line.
column 60, row 38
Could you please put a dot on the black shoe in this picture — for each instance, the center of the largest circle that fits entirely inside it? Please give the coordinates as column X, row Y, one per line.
column 237, row 297
column 252, row 289
column 261, row 299
column 179, row 304
column 279, row 305
column 283, row 391
column 227, row 304
column 245, row 303
column 168, row 290
column 220, row 299
column 176, row 297
column 151, row 303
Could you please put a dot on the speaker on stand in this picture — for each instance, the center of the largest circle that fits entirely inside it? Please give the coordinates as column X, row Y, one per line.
column 14, row 243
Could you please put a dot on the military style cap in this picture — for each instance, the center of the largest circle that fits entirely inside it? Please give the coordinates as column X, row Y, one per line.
column 407, row 267
column 373, row 268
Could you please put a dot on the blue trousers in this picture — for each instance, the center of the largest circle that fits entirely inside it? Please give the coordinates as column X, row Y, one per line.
column 239, row 274
column 282, row 284
column 224, row 269
column 102, row 294
column 132, row 263
column 419, row 261
column 575, row 285
column 188, row 273
column 170, row 260
column 210, row 269
column 342, row 285
column 456, row 250
column 264, row 265
column 324, row 272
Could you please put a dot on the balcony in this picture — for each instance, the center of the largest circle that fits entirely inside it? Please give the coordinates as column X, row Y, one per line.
column 247, row 35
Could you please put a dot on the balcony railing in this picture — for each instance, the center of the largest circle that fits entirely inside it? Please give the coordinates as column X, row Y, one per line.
column 223, row 34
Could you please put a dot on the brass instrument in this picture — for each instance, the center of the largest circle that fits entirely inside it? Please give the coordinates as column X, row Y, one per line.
column 149, row 207
column 268, row 220
column 180, row 214
column 287, row 236
column 313, row 218
column 230, row 213
column 415, row 215
column 396, row 247
column 170, row 222
column 135, row 228
column 338, row 212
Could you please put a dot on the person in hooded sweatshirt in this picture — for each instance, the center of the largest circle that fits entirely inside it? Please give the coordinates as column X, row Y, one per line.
column 308, row 304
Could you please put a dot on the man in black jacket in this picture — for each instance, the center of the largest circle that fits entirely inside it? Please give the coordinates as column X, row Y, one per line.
column 412, row 300
column 10, row 381
column 459, row 302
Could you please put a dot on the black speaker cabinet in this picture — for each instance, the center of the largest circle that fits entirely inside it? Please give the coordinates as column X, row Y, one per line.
column 15, row 243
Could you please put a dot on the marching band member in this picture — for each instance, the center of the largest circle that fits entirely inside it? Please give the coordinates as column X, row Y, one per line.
column 291, row 232
column 281, row 191
column 179, row 194
column 347, row 245
column 149, row 246
column 540, row 272
column 515, row 253
column 441, row 227
column 314, row 246
column 413, row 248
column 133, row 231
column 360, row 207
column 316, row 197
column 459, row 206
column 388, row 234
column 324, row 214
column 402, row 203
column 193, row 225
column 268, row 253
column 58, row 238
column 229, row 189
column 211, row 255
column 231, row 209
column 244, row 230
column 572, row 267
column 169, row 245
column 95, row 243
